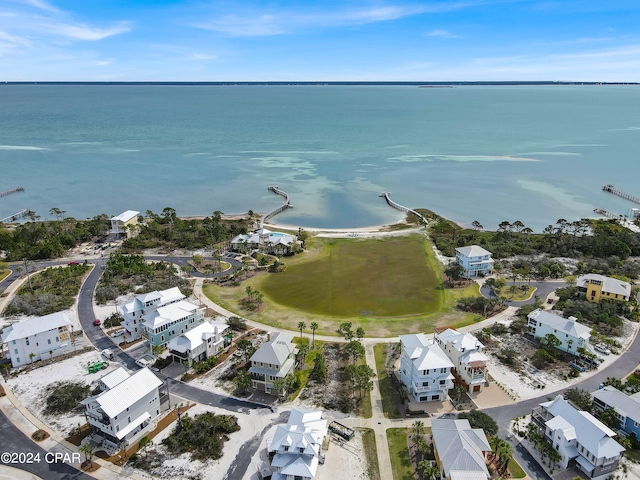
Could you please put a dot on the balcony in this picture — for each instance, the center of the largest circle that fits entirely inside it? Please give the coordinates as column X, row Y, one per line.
column 101, row 419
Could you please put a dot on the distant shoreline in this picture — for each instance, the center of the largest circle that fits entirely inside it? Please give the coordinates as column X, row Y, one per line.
column 332, row 83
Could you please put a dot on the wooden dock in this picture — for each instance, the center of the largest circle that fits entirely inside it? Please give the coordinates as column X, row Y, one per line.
column 613, row 190
column 9, row 192
column 286, row 204
column 605, row 213
column 402, row 208
column 14, row 217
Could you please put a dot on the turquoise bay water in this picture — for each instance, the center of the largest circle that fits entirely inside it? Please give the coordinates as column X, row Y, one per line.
column 486, row 153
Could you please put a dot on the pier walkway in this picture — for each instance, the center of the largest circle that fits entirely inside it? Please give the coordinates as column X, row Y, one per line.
column 9, row 192
column 402, row 208
column 286, row 204
column 613, row 190
column 14, row 217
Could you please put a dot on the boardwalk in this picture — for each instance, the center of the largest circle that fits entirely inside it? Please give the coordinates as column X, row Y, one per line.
column 402, row 208
column 14, row 217
column 613, row 190
column 286, row 204
column 9, row 192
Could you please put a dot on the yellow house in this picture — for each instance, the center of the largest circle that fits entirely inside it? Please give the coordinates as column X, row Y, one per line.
column 120, row 223
column 596, row 287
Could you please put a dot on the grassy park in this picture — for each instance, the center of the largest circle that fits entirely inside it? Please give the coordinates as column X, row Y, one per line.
column 381, row 285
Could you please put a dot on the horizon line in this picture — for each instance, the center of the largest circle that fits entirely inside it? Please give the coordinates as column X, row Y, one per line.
column 320, row 82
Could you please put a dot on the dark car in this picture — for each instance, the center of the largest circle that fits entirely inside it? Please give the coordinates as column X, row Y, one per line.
column 97, row 322
column 73, row 262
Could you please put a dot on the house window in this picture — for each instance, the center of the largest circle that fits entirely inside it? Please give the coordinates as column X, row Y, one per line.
column 49, row 341
column 442, row 382
column 15, row 351
column 57, row 339
column 27, row 341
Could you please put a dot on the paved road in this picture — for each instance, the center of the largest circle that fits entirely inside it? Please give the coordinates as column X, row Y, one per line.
column 543, row 289
column 13, row 440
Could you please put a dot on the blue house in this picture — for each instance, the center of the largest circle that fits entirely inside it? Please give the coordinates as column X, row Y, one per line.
column 627, row 408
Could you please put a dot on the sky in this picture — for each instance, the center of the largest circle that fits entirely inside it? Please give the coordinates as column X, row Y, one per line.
column 328, row 40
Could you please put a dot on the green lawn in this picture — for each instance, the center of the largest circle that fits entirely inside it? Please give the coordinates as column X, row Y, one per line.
column 387, row 391
column 287, row 315
column 383, row 278
column 397, row 438
column 370, row 452
column 515, row 469
column 4, row 274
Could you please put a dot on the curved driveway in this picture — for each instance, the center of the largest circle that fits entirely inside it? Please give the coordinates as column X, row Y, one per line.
column 543, row 289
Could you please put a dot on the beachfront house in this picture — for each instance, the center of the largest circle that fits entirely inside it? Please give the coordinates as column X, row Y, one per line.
column 38, row 338
column 297, row 446
column 125, row 409
column 272, row 361
column 160, row 316
column 596, row 287
column 572, row 334
column 475, row 260
column 627, row 408
column 469, row 362
column 425, row 369
column 460, row 451
column 265, row 241
column 580, row 438
column 124, row 225
column 204, row 341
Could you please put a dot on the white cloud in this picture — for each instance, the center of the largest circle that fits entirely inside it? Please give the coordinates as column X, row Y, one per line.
column 442, row 33
column 202, row 56
column 84, row 32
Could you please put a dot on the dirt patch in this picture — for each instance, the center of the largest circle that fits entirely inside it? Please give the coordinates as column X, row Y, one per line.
column 39, row 435
column 335, row 393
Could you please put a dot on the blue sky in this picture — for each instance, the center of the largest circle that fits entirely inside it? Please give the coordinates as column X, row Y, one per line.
column 352, row 40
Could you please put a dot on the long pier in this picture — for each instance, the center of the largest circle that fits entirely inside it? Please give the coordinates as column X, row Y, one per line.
column 402, row 208
column 613, row 190
column 14, row 217
column 286, row 204
column 9, row 192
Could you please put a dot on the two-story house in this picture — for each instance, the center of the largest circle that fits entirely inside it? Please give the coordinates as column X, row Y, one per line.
column 38, row 338
column 297, row 446
column 460, row 451
column 121, row 225
column 627, row 408
column 127, row 407
column 276, row 243
column 198, row 344
column 569, row 331
column 597, row 287
column 273, row 360
column 475, row 260
column 425, row 369
column 159, row 316
column 469, row 362
column 580, row 438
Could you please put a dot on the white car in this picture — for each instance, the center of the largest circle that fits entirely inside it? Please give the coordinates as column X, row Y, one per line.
column 602, row 348
column 107, row 354
column 117, row 333
column 144, row 362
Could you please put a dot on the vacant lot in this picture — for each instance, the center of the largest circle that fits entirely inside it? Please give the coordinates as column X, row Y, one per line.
column 389, row 277
column 379, row 284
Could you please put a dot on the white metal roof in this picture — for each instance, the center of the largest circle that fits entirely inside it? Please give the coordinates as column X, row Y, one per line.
column 460, row 447
column 610, row 285
column 112, row 379
column 196, row 336
column 563, row 325
column 33, row 326
column 133, row 425
column 169, row 313
column 459, row 340
column 473, row 251
column 125, row 216
column 128, row 392
column 276, row 351
column 622, row 403
column 424, row 354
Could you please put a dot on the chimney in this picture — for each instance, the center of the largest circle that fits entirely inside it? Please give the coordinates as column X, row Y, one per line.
column 572, row 319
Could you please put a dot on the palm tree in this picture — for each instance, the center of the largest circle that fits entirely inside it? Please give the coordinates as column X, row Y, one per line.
column 301, row 326
column 428, row 471
column 505, row 452
column 87, row 449
column 314, row 326
column 418, row 428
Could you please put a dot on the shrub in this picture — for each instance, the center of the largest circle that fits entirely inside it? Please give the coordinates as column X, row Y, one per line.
column 65, row 396
column 238, row 324
column 478, row 419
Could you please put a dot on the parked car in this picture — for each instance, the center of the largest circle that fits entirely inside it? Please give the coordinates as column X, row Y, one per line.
column 73, row 262
column 117, row 333
column 97, row 322
column 107, row 353
column 145, row 362
column 602, row 348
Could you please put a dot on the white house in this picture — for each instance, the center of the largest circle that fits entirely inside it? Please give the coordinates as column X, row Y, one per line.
column 475, row 260
column 38, row 338
column 460, row 450
column 127, row 408
column 198, row 344
column 580, row 438
column 265, row 240
column 469, row 362
column 297, row 446
column 273, row 360
column 569, row 331
column 120, row 223
column 160, row 316
column 597, row 287
column 425, row 369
